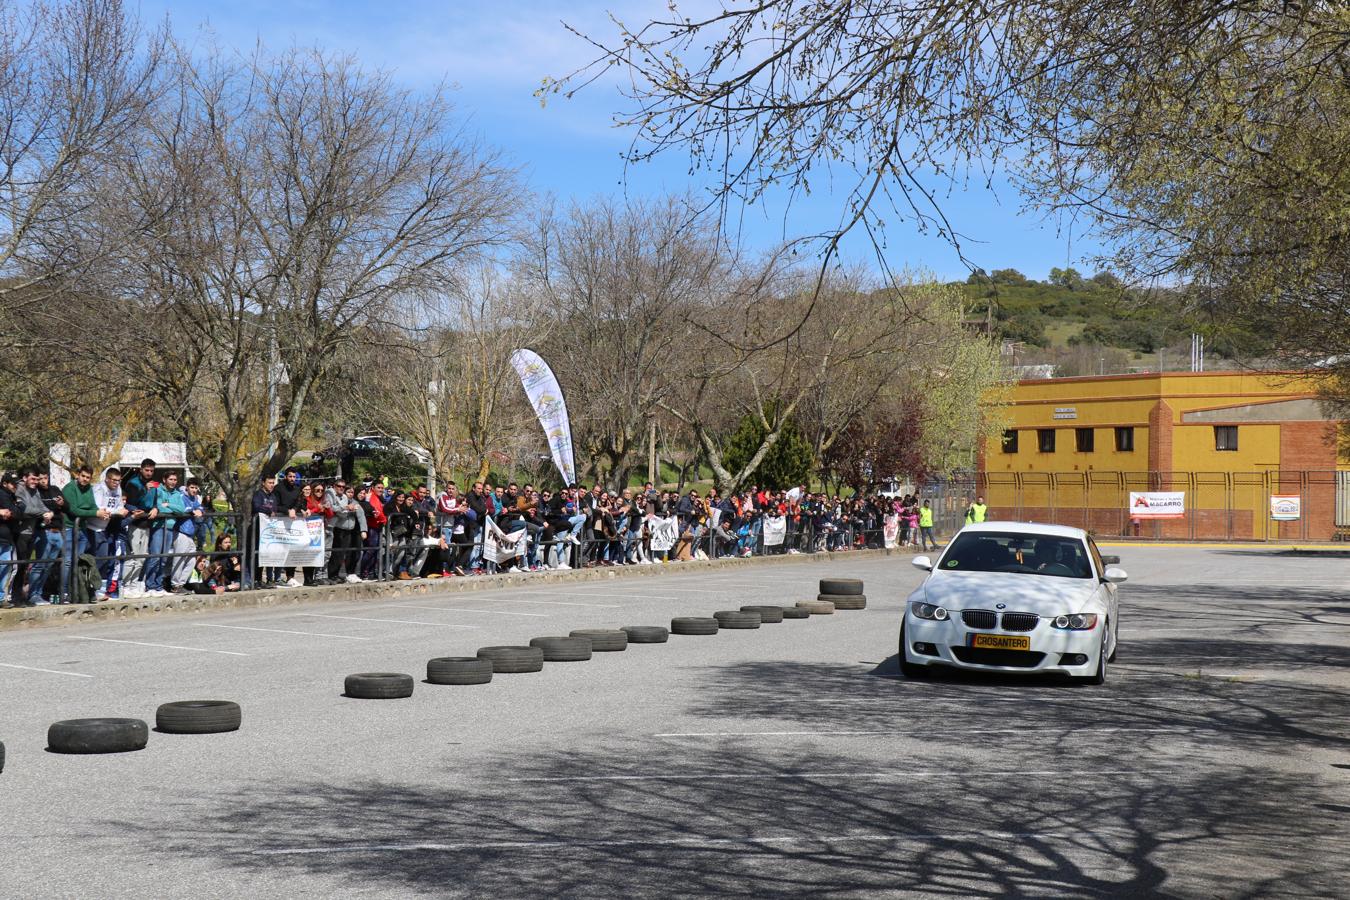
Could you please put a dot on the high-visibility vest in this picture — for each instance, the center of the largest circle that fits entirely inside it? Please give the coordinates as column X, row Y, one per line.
column 925, row 517
column 978, row 511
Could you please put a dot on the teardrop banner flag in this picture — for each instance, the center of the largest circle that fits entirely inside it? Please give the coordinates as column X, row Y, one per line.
column 545, row 395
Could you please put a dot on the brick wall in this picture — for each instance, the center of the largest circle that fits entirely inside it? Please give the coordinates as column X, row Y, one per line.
column 1160, row 441
column 1309, row 446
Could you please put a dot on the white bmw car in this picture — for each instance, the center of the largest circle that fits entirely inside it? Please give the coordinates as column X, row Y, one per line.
column 1014, row 597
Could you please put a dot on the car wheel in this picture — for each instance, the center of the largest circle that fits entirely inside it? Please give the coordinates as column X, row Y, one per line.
column 907, row 668
column 1098, row 677
column 1115, row 644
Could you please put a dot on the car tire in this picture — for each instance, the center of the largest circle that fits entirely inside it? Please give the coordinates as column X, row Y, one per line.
column 795, row 612
column 97, row 736
column 513, row 660
column 198, row 717
column 2, row 756
column 1098, row 677
column 603, row 640
column 693, row 625
column 841, row 587
column 768, row 615
column 459, row 670
column 845, row 601
column 817, row 607
column 735, row 618
column 1115, row 645
column 908, row 669
column 378, row 686
column 646, row 634
column 563, row 649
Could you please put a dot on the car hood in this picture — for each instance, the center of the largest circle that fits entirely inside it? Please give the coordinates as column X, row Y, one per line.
column 1041, row 594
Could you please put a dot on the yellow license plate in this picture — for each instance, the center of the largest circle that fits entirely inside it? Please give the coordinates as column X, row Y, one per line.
column 1000, row 641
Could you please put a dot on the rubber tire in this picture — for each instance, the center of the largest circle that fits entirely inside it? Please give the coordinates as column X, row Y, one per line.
column 793, row 612
column 646, row 634
column 198, row 717
column 817, row 607
column 908, row 669
column 98, row 736
column 2, row 756
column 603, row 640
column 513, row 660
column 693, row 625
column 841, row 587
column 735, row 618
column 378, row 686
column 459, row 670
column 768, row 615
column 845, row 601
column 1115, row 647
column 563, row 649
column 1098, row 677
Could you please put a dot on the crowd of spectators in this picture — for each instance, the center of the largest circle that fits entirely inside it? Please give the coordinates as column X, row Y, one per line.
column 151, row 536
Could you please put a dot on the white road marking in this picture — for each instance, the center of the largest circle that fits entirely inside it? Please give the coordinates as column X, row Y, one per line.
column 692, row 842
column 490, row 612
column 550, row 602
column 48, row 671
column 342, row 637
column 391, row 621
column 907, row 732
column 896, row 773
column 165, row 646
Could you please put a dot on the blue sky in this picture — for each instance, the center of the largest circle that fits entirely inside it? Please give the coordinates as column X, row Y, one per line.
column 496, row 54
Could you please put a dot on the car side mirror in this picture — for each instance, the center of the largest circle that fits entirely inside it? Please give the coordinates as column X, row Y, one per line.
column 1110, row 560
column 922, row 562
column 1114, row 576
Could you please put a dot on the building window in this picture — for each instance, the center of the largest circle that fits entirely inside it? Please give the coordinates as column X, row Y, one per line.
column 1045, row 439
column 1125, row 440
column 1010, row 441
column 1225, row 437
column 1083, row 437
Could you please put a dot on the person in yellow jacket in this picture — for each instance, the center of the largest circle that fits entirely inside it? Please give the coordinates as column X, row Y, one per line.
column 977, row 511
column 926, row 526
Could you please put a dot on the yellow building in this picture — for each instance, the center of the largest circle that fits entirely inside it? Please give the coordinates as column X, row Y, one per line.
column 1077, row 448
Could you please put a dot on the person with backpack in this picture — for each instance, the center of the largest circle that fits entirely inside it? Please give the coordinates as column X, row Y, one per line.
column 80, row 509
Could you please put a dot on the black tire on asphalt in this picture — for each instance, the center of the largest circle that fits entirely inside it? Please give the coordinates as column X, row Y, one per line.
column 841, row 587
column 513, row 660
column 646, row 634
column 379, row 686
column 909, row 669
column 768, row 615
column 563, row 649
column 2, row 756
column 459, row 670
column 735, row 618
column 794, row 612
column 845, row 601
column 604, row 640
column 97, row 736
column 817, row 607
column 198, row 717
column 693, row 625
column 1099, row 676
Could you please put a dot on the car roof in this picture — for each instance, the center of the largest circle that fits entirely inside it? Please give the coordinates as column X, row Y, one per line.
column 1026, row 528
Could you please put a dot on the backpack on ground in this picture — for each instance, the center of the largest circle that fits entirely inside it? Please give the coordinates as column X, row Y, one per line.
column 87, row 582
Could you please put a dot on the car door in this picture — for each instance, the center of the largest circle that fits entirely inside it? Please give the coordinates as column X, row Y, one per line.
column 1112, row 603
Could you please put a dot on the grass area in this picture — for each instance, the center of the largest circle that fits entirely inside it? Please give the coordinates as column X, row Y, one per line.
column 1059, row 333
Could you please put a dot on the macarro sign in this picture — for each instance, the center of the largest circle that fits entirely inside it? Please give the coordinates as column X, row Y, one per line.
column 1157, row 504
column 1286, row 507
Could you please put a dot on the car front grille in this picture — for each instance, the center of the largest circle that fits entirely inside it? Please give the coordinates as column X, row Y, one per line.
column 1020, row 659
column 1020, row 621
column 978, row 618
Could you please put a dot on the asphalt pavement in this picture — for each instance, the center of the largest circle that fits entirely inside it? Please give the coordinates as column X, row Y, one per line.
column 791, row 760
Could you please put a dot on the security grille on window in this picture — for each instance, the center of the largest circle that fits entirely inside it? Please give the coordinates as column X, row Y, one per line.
column 1225, row 437
column 1125, row 440
column 1085, row 440
column 1045, row 438
column 1010, row 441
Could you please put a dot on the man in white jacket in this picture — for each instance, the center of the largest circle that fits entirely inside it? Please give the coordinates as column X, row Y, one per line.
column 109, row 539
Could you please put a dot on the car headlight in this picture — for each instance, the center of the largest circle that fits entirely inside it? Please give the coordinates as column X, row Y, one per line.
column 928, row 611
column 1077, row 622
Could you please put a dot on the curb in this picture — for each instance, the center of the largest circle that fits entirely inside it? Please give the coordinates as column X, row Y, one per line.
column 122, row 610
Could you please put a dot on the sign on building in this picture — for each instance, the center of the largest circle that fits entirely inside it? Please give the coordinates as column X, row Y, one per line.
column 1157, row 504
column 1065, row 412
column 1286, row 507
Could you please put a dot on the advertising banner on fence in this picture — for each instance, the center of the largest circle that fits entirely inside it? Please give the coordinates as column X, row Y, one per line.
column 890, row 531
column 1157, row 504
column 498, row 546
column 775, row 530
column 665, row 532
column 545, row 395
column 1286, row 507
column 290, row 542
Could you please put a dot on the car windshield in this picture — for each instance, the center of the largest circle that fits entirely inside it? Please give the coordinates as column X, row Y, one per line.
column 1030, row 554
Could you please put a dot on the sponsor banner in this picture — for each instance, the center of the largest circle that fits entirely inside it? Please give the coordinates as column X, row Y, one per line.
column 665, row 532
column 775, row 530
column 286, row 542
column 890, row 531
column 1286, row 507
column 1157, row 504
column 498, row 546
column 545, row 395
